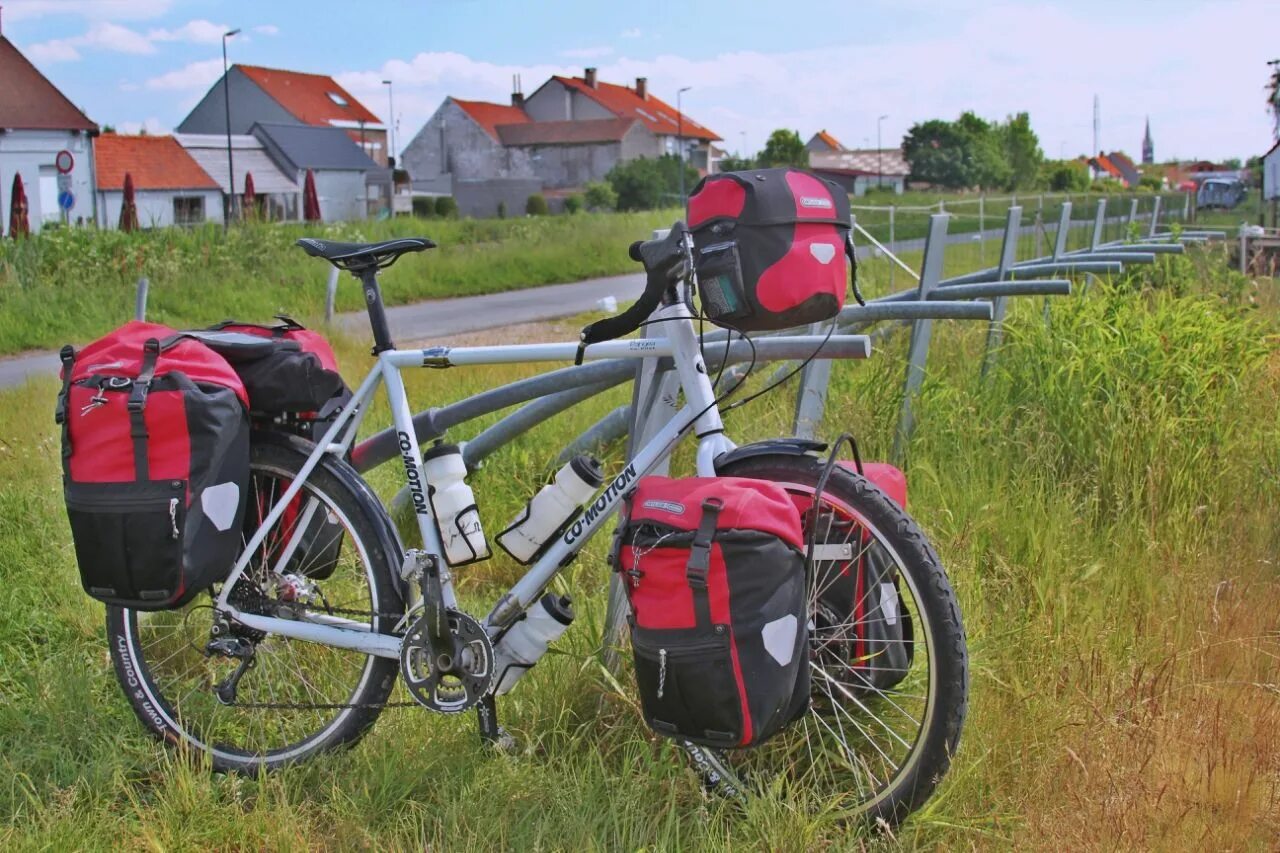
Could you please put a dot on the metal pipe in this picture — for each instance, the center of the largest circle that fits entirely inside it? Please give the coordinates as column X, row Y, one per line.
column 140, row 302
column 607, row 430
column 989, row 290
column 475, row 451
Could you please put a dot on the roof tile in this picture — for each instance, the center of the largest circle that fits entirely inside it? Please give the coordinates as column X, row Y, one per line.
column 309, row 97
column 489, row 115
column 28, row 101
column 578, row 132
column 623, row 102
column 155, row 162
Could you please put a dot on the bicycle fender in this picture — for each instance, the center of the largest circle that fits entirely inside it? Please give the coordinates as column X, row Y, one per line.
column 349, row 478
column 770, row 447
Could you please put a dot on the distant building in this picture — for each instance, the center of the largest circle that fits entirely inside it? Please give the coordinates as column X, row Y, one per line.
column 274, row 96
column 824, row 142
column 1148, row 147
column 860, row 170
column 169, row 186
column 339, row 166
column 1271, row 173
column 570, row 131
column 277, row 193
column 36, row 122
column 1116, row 165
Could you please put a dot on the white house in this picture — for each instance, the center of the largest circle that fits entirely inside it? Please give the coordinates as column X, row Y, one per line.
column 1271, row 173
column 279, row 197
column 169, row 186
column 36, row 123
column 338, row 164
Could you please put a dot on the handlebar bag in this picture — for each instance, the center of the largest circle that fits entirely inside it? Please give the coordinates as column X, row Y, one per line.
column 714, row 570
column 770, row 248
column 155, row 452
column 294, row 386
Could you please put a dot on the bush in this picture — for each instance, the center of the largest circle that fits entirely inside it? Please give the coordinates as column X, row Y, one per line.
column 1151, row 182
column 502, row 210
column 424, row 208
column 1068, row 176
column 645, row 184
column 446, row 207
column 600, row 196
column 536, row 205
column 572, row 203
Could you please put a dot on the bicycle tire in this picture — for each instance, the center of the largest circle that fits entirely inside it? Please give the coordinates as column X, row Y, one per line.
column 369, row 538
column 938, row 626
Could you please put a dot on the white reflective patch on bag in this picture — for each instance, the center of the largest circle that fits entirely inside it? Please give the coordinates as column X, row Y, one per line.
column 824, row 252
column 780, row 638
column 220, row 503
column 889, row 603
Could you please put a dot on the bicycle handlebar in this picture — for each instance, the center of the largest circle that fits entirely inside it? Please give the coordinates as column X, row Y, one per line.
column 666, row 260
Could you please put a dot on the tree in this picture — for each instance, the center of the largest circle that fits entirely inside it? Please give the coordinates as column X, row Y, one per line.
column 600, row 196
column 972, row 152
column 572, row 203
column 1067, row 176
column 1273, row 100
column 645, row 184
column 1021, row 150
column 737, row 164
column 536, row 205
column 784, row 148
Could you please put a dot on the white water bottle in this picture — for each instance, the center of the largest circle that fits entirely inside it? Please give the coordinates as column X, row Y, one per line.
column 520, row 648
column 454, row 506
column 549, row 509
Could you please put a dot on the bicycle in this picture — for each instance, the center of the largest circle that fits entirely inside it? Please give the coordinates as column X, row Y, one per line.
column 275, row 667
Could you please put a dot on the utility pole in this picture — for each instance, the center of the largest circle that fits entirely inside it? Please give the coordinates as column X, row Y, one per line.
column 226, row 101
column 879, row 155
column 391, row 125
column 680, row 141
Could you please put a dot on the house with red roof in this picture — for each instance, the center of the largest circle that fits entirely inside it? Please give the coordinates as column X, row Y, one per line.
column 824, row 143
column 170, row 187
column 37, row 122
column 1116, row 165
column 276, row 96
column 569, row 132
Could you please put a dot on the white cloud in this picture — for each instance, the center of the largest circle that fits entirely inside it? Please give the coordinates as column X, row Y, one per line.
column 152, row 126
column 116, row 10
column 57, row 50
column 101, row 36
column 198, row 31
column 587, row 52
column 195, row 75
column 267, row 29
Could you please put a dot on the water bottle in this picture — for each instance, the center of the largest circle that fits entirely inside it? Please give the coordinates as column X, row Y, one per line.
column 457, row 517
column 549, row 509
column 520, row 648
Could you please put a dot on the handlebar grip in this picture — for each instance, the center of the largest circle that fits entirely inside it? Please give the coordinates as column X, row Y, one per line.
column 634, row 251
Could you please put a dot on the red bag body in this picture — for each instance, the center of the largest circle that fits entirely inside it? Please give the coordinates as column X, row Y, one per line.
column 714, row 570
column 771, row 248
column 155, row 442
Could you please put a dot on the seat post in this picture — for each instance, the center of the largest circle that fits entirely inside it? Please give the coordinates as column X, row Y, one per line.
column 377, row 314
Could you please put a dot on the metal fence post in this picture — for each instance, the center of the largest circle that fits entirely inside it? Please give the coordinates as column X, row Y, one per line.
column 1099, row 222
column 1008, row 254
column 1059, row 247
column 140, row 302
column 935, row 245
column 811, row 393
column 982, row 230
column 1133, row 217
column 331, row 295
column 1244, row 252
column 1155, row 216
column 892, row 238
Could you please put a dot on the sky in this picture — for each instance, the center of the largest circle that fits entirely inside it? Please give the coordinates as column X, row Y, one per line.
column 1196, row 69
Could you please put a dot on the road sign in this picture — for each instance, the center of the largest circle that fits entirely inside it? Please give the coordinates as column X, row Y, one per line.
column 64, row 183
column 64, row 161
column 66, row 200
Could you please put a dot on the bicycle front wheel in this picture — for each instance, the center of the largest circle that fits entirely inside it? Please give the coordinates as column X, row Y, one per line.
column 292, row 698
column 873, row 744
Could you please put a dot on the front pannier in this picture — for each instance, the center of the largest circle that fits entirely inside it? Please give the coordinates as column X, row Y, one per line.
column 771, row 248
column 714, row 570
column 155, row 449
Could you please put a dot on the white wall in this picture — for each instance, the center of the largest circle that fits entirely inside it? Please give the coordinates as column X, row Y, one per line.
column 155, row 207
column 341, row 194
column 31, row 154
column 1271, row 175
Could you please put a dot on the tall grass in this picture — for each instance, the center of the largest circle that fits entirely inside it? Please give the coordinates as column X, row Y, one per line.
column 75, row 284
column 1105, row 501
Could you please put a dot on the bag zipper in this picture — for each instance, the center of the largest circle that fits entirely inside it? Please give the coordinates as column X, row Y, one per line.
column 173, row 516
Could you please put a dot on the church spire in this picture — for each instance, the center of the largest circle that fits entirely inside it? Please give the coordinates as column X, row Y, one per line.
column 1148, row 147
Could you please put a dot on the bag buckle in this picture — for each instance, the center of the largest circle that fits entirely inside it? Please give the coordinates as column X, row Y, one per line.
column 700, row 553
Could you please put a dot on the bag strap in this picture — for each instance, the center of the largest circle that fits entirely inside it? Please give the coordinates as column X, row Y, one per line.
column 137, row 405
column 852, row 254
column 700, row 560
column 68, row 356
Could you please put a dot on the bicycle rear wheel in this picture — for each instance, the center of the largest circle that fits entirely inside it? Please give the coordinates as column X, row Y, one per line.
column 862, row 749
column 294, row 699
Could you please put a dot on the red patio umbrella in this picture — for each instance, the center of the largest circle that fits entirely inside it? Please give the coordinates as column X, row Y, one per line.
column 310, row 201
column 250, row 197
column 19, row 224
column 129, row 207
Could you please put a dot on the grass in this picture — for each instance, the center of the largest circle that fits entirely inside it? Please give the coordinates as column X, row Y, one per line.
column 1105, row 503
column 73, row 285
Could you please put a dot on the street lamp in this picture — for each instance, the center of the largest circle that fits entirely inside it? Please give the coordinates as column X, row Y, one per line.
column 680, row 139
column 226, row 101
column 879, row 155
column 391, row 124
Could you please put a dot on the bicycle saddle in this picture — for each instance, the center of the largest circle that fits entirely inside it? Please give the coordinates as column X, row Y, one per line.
column 360, row 256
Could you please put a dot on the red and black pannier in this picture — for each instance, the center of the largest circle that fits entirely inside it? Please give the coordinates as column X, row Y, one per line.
column 155, row 449
column 771, row 248
column 715, row 572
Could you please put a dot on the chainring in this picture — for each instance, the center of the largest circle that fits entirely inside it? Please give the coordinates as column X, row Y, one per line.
column 446, row 682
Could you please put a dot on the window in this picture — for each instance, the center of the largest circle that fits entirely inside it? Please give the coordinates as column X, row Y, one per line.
column 337, row 99
column 188, row 209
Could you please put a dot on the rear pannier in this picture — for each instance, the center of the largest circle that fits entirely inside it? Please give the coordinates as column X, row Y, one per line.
column 714, row 570
column 155, row 449
column 772, row 248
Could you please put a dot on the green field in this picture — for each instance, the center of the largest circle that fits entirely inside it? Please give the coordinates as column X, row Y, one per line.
column 1105, row 502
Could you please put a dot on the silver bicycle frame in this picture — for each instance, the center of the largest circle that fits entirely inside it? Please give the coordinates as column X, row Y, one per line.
column 700, row 414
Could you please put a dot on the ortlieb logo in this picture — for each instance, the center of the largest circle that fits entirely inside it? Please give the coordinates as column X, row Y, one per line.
column 665, row 506
column 813, row 201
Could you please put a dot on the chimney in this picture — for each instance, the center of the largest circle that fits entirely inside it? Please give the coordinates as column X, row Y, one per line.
column 590, row 77
column 517, row 96
column 642, row 88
